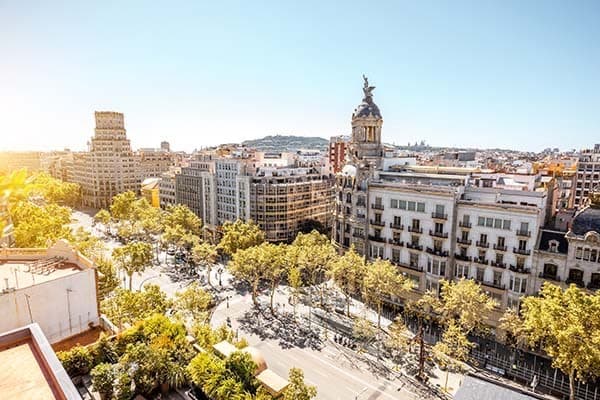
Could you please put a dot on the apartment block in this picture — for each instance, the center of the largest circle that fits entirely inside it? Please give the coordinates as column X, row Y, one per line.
column 588, row 174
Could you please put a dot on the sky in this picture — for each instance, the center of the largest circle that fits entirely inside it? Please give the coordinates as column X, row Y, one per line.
column 509, row 74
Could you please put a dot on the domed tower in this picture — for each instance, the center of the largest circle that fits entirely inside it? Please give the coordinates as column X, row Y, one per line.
column 365, row 146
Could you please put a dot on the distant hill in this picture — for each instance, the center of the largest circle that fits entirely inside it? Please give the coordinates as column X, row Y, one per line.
column 287, row 143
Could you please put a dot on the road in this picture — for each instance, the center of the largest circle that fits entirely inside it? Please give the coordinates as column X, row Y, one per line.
column 335, row 370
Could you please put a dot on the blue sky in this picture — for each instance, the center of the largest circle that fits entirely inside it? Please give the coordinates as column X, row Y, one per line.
column 511, row 74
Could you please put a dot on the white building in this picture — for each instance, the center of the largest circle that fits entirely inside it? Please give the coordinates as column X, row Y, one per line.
column 54, row 287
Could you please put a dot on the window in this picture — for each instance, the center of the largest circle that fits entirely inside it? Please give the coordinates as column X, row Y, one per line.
column 497, row 278
column 524, row 226
column 378, row 201
column 437, row 245
column 480, row 274
column 402, row 204
column 522, row 244
column 378, row 217
column 465, row 219
column 436, row 267
column 461, row 271
column 464, row 235
column 489, row 222
column 578, row 253
column 500, row 241
column 483, row 238
column 498, row 223
column 518, row 285
column 397, row 220
column 376, row 251
column 416, row 224
column 411, row 206
column 439, row 209
column 394, row 203
column 481, row 221
column 414, row 260
column 421, row 207
column 586, row 254
column 396, row 255
column 439, row 227
column 506, row 224
column 513, row 303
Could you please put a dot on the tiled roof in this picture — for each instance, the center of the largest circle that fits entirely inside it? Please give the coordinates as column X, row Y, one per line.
column 586, row 221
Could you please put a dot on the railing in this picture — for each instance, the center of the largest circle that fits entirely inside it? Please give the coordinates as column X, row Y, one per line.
column 485, row 245
column 552, row 277
column 523, row 233
column 439, row 215
column 437, row 252
column 519, row 269
column 377, row 238
column 396, row 226
column 493, row 284
column 443, row 235
column 414, row 246
column 396, row 242
column 376, row 206
column 408, row 266
column 498, row 264
column 460, row 257
column 464, row 241
column 499, row 247
column 358, row 235
column 465, row 224
column 524, row 252
column 413, row 229
column 578, row 282
column 480, row 260
column 376, row 222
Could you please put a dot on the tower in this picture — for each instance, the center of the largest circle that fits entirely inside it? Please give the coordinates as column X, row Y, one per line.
column 365, row 147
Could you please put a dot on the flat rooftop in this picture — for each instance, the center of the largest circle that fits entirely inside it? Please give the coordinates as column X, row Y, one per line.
column 30, row 369
column 22, row 274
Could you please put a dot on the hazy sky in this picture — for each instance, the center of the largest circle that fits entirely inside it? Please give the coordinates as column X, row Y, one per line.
column 513, row 74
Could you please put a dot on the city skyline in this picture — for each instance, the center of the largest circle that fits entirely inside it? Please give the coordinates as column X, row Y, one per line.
column 510, row 76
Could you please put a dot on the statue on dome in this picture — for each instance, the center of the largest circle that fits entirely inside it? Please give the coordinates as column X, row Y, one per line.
column 367, row 90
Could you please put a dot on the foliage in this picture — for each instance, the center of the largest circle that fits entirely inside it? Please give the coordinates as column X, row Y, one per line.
column 133, row 257
column 251, row 265
column 205, row 255
column 107, row 277
column 125, row 306
column 399, row 336
column 240, row 235
column 454, row 346
column 512, row 325
column 363, row 329
column 382, row 281
column 297, row 389
column 243, row 367
column 87, row 244
column 54, row 190
column 181, row 216
column 103, row 217
column 35, row 225
column 566, row 324
column 193, row 302
column 103, row 377
column 348, row 272
column 76, row 361
column 123, row 206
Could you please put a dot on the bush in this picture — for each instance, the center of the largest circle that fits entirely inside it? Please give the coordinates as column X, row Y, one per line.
column 103, row 379
column 77, row 361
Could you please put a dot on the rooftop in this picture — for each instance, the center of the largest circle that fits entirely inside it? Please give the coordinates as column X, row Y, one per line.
column 20, row 274
column 30, row 369
column 586, row 221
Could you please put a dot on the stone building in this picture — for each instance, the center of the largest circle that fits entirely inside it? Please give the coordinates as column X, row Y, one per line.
column 588, row 174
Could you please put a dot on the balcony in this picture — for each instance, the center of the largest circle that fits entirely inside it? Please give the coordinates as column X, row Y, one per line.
column 414, row 246
column 519, row 269
column 460, row 257
column 464, row 241
column 463, row 224
column 358, row 235
column 436, row 215
column 523, row 233
column 377, row 223
column 576, row 281
column 443, row 235
column 498, row 264
column 495, row 285
column 377, row 238
column 408, row 266
column 550, row 277
column 524, row 252
column 396, row 226
column 483, row 245
column 499, row 247
column 396, row 242
column 437, row 252
column 413, row 229
column 376, row 206
column 482, row 261
column 593, row 285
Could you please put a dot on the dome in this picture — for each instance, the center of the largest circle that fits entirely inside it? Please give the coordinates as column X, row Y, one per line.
column 349, row 170
column 365, row 109
column 257, row 357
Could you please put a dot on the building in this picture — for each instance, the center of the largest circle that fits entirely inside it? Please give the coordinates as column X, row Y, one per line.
column 166, row 188
column 15, row 160
column 438, row 223
column 588, row 174
column 337, row 153
column 109, row 168
column 165, row 146
column 54, row 287
column 150, row 190
column 286, row 201
column 30, row 368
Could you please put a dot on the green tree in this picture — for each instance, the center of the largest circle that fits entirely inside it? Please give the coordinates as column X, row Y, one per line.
column 87, row 244
column 243, row 367
column 123, row 206
column 382, row 281
column 133, row 257
column 107, row 277
column 250, row 265
column 295, row 281
column 297, row 388
column 193, row 302
column 453, row 349
column 348, row 272
column 566, row 324
column 205, row 255
column 125, row 306
column 181, row 216
column 103, row 217
column 240, row 235
column 275, row 269
column 76, row 361
column 512, row 326
column 39, row 225
column 103, row 378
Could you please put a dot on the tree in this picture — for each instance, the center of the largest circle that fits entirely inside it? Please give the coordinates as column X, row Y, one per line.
column 399, row 336
column 193, row 302
column 277, row 265
column 512, row 325
column 250, row 265
column 125, row 306
column 103, row 378
column 466, row 303
column 348, row 272
column 297, row 389
column 383, row 281
column 76, row 361
column 205, row 255
column 53, row 190
column 453, row 349
column 107, row 277
column 363, row 330
column 240, row 235
column 243, row 367
column 295, row 281
column 87, row 244
column 133, row 257
column 566, row 324
column 103, row 217
column 38, row 225
column 181, row 216
column 123, row 206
